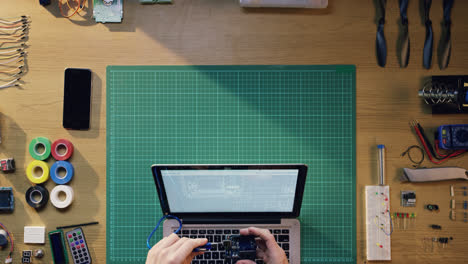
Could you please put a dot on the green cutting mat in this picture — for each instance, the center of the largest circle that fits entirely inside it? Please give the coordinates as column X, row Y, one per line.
column 232, row 114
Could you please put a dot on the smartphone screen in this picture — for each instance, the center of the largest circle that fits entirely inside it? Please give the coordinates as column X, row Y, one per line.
column 77, row 99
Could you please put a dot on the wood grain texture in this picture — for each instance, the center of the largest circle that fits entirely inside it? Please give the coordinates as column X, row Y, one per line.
column 220, row 32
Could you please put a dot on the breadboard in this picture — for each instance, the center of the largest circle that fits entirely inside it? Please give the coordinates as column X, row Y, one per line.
column 232, row 115
column 378, row 217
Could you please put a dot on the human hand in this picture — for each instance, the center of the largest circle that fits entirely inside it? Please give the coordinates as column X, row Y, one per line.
column 174, row 250
column 268, row 249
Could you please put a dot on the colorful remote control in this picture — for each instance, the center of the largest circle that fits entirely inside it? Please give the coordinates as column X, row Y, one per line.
column 78, row 247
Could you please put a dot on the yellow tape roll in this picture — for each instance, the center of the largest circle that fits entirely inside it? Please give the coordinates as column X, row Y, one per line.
column 34, row 172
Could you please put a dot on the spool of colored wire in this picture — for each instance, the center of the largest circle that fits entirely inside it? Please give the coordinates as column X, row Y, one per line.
column 36, row 144
column 54, row 172
column 40, row 192
column 37, row 178
column 57, row 147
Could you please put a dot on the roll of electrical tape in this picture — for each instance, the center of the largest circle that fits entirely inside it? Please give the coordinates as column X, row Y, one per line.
column 62, row 144
column 37, row 172
column 54, row 172
column 37, row 196
column 54, row 196
column 36, row 144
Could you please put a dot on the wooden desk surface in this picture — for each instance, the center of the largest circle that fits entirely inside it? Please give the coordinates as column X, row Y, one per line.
column 220, row 32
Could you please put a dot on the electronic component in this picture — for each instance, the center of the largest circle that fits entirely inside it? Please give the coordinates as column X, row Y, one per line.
column 446, row 94
column 434, row 155
column 78, row 246
column 453, row 137
column 77, row 99
column 240, row 247
column 437, row 227
column 463, row 190
column 453, row 216
column 38, row 253
column 403, row 220
column 428, row 242
column 3, row 239
column 44, row 2
column 408, row 198
column 417, row 162
column 26, row 256
column 462, row 204
column 13, row 36
column 432, row 207
column 104, row 12
column 379, row 225
column 34, row 234
column 444, row 241
column 7, row 165
column 7, row 201
column 57, row 246
column 9, row 258
column 207, row 246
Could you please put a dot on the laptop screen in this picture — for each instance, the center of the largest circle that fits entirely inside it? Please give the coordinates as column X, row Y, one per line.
column 255, row 190
column 258, row 190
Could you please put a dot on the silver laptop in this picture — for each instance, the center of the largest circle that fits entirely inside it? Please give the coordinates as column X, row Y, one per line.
column 214, row 201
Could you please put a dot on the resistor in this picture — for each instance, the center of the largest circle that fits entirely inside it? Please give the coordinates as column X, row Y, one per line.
column 458, row 190
column 464, row 204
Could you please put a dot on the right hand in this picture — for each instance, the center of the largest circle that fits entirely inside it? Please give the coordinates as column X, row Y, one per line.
column 268, row 249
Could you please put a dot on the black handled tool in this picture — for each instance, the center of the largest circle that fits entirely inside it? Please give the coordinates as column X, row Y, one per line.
column 428, row 43
column 404, row 42
column 380, row 43
column 445, row 44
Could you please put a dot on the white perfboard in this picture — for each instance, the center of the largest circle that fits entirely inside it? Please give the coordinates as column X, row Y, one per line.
column 378, row 217
column 34, row 234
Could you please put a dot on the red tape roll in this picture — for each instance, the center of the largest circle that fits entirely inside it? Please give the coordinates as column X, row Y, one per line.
column 62, row 143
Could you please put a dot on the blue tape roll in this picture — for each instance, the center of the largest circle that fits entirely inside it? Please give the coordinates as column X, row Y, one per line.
column 68, row 175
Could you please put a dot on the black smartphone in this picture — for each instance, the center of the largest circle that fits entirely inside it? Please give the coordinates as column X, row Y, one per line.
column 77, row 99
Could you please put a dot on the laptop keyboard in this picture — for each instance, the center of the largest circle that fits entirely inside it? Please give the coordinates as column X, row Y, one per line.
column 217, row 254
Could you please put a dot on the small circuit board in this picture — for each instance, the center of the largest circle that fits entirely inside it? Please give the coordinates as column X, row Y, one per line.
column 408, row 198
column 7, row 201
column 108, row 11
column 240, row 247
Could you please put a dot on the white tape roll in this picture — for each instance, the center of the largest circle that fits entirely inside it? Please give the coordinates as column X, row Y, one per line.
column 54, row 196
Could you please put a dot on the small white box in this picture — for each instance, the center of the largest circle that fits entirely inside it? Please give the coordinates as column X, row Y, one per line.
column 34, row 234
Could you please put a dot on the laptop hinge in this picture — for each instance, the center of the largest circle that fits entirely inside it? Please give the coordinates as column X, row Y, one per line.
column 193, row 220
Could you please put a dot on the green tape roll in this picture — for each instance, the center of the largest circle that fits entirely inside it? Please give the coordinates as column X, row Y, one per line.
column 35, row 144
